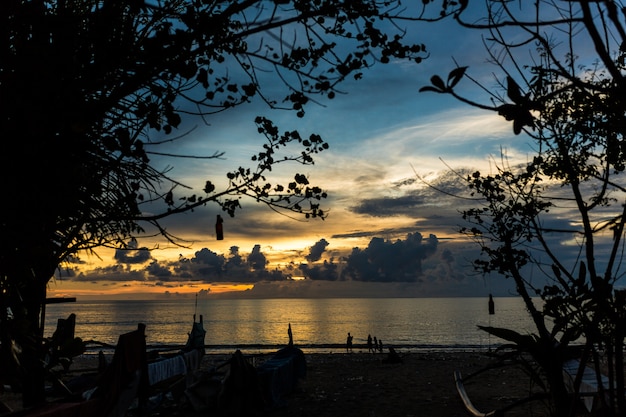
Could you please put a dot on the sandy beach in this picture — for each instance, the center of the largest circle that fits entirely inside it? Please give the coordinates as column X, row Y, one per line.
column 363, row 384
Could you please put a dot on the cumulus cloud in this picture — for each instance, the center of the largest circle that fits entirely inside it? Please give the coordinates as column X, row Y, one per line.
column 211, row 267
column 388, row 261
column 328, row 271
column 425, row 264
column 158, row 271
column 316, row 251
column 132, row 254
column 208, row 265
column 112, row 273
column 256, row 259
column 235, row 259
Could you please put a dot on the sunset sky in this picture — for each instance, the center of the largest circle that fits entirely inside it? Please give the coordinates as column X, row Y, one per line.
column 384, row 136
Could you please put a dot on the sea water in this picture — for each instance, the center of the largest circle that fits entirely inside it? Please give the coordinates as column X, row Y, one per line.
column 317, row 324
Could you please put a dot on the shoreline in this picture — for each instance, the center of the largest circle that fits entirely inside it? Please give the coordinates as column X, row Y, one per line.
column 314, row 349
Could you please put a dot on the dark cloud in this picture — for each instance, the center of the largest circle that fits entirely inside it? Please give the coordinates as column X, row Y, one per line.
column 448, row 192
column 388, row 261
column 208, row 265
column 235, row 260
column 316, row 251
column 256, row 259
column 116, row 273
column 132, row 254
column 65, row 272
column 389, row 206
column 167, row 294
column 429, row 266
column 158, row 271
column 405, row 182
column 447, row 257
column 396, row 231
column 328, row 271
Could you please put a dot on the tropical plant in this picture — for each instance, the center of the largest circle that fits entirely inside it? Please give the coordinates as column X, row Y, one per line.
column 562, row 213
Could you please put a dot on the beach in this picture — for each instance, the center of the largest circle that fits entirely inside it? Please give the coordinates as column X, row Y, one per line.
column 363, row 384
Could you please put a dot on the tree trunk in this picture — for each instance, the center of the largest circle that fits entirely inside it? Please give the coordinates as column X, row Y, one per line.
column 33, row 354
column 21, row 334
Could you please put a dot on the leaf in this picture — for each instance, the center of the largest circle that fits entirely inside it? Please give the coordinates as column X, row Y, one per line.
column 202, row 77
column 518, row 114
column 430, row 88
column 209, row 187
column 513, row 91
column 455, row 76
column 438, row 82
column 507, row 111
column 523, row 342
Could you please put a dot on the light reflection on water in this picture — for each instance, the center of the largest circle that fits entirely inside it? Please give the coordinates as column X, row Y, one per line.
column 435, row 323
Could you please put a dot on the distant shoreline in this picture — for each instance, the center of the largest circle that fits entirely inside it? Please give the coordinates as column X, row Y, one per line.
column 235, row 295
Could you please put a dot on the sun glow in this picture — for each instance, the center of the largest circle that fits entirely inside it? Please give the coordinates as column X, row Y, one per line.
column 136, row 290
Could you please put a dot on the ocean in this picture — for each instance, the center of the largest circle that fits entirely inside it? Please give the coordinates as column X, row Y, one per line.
column 322, row 325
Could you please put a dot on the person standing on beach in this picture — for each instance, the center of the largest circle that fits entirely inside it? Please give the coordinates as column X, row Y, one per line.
column 375, row 345
column 369, row 343
column 380, row 345
column 349, row 343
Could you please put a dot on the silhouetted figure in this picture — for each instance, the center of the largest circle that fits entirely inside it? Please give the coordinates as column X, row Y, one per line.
column 492, row 306
column 102, row 362
column 290, row 335
column 380, row 345
column 219, row 228
column 392, row 357
column 369, row 343
column 349, row 343
column 375, row 347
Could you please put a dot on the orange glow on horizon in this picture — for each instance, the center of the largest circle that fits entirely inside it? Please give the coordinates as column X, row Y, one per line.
column 138, row 290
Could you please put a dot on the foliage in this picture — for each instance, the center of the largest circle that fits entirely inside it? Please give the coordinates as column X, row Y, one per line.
column 571, row 193
column 89, row 88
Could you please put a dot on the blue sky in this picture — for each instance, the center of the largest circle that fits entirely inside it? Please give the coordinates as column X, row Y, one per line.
column 384, row 135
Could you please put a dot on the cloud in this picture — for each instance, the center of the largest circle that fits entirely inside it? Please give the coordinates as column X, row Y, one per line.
column 316, row 251
column 389, row 206
column 328, row 271
column 132, row 254
column 256, row 259
column 388, row 261
column 158, row 271
column 114, row 273
column 65, row 272
column 211, row 267
column 207, row 265
column 446, row 189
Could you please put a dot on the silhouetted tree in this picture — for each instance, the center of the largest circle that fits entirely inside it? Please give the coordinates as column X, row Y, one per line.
column 562, row 81
column 86, row 84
